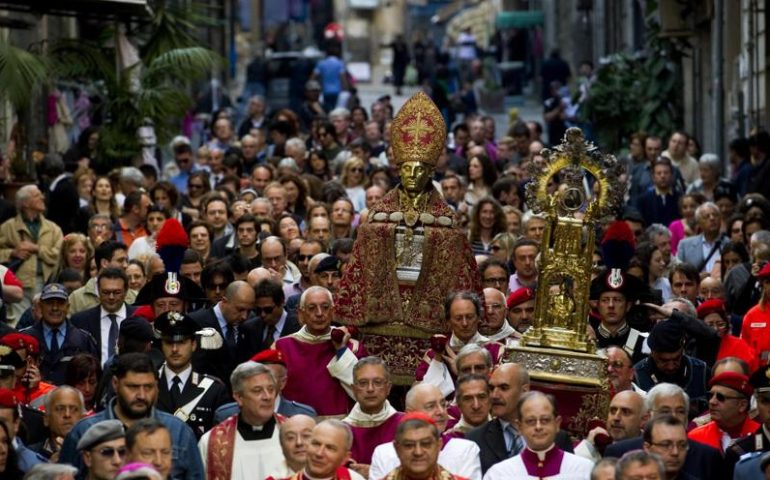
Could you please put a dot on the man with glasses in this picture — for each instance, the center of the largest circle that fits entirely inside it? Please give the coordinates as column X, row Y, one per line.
column 759, row 441
column 103, row 449
column 620, row 371
column 63, row 409
column 273, row 321
column 494, row 274
column 183, row 392
column 99, row 229
column 666, row 436
column 702, row 251
column 497, row 328
column 307, row 250
column 372, row 420
column 272, row 253
column 319, row 360
column 463, row 314
column 539, row 422
column 729, row 404
column 109, row 254
column 103, row 321
column 328, row 141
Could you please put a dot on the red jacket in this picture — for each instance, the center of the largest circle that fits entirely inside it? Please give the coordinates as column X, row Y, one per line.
column 756, row 331
column 731, row 346
column 711, row 435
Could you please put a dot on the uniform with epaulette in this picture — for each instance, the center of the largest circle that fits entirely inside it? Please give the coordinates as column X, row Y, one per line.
column 190, row 396
column 759, row 441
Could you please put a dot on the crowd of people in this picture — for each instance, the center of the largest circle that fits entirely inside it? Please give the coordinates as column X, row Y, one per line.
column 179, row 322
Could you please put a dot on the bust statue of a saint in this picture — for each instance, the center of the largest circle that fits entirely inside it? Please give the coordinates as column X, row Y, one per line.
column 409, row 254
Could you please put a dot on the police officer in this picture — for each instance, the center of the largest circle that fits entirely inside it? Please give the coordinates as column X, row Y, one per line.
column 759, row 441
column 170, row 292
column 190, row 396
column 615, row 293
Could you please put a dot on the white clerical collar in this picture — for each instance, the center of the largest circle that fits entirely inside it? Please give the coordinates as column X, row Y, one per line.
column 309, row 477
column 358, row 418
column 505, row 331
column 542, row 453
column 304, row 335
column 456, row 344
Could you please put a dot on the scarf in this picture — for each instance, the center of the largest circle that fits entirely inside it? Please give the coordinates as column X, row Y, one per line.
column 358, row 418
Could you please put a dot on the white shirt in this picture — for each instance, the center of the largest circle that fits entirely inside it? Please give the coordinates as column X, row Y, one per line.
column 184, row 375
column 105, row 329
column 253, row 459
column 459, row 456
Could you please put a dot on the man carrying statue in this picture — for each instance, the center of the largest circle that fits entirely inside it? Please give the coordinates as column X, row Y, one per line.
column 409, row 253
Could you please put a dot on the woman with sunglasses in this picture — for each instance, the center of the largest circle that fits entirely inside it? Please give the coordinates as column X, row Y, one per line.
column 198, row 185
column 353, row 179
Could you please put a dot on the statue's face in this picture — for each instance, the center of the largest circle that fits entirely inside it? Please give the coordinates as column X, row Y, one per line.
column 415, row 176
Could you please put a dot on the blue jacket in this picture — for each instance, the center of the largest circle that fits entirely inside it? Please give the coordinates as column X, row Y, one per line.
column 187, row 463
column 692, row 379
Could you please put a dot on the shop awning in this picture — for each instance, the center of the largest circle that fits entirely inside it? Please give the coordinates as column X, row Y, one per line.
column 520, row 19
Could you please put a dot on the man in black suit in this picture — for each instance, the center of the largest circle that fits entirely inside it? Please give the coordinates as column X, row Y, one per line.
column 229, row 318
column 59, row 339
column 103, row 321
column 188, row 395
column 63, row 199
column 274, row 321
column 702, row 461
column 498, row 439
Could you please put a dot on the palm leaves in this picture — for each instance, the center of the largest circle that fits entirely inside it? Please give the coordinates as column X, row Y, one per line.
column 20, row 73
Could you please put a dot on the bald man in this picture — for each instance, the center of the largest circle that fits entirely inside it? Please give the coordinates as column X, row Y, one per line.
column 230, row 317
column 498, row 438
column 458, row 456
column 496, row 328
column 625, row 419
column 295, row 437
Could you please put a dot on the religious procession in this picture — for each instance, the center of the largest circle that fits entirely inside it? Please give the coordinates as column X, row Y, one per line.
column 384, row 240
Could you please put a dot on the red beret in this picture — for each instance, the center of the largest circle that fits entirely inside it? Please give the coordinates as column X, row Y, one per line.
column 713, row 305
column 764, row 272
column 21, row 341
column 736, row 381
column 417, row 415
column 269, row 356
column 8, row 398
column 520, row 296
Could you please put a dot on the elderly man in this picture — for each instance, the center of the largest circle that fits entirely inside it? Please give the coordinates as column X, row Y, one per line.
column 759, row 441
column 295, row 437
column 702, row 251
column 497, row 328
column 327, row 453
column 729, row 404
column 273, row 359
column 625, row 419
column 463, row 313
column 666, row 436
column 620, row 370
column 246, row 445
column 668, row 399
column 229, row 317
column 272, row 252
column 521, row 309
column 457, row 455
column 103, row 448
column 135, row 380
column 538, row 422
column 63, row 409
column 418, row 446
column 30, row 243
column 319, row 364
column 473, row 401
column 149, row 441
column 373, row 420
column 499, row 439
column 59, row 339
column 319, row 229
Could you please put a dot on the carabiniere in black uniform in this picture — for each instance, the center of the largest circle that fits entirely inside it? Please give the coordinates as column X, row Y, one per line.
column 758, row 441
column 190, row 396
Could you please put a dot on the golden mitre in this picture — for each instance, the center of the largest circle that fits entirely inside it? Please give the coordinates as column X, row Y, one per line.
column 418, row 132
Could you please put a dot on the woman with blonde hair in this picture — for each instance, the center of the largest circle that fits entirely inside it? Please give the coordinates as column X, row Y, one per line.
column 502, row 247
column 353, row 178
column 76, row 253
